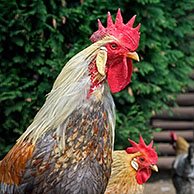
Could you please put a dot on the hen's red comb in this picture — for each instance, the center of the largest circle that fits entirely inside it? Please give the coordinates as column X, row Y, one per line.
column 173, row 136
column 144, row 149
column 124, row 32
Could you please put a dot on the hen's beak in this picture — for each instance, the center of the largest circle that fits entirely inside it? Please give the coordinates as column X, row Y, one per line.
column 133, row 55
column 154, row 167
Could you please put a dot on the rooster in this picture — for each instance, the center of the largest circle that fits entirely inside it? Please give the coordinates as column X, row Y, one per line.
column 68, row 146
column 132, row 168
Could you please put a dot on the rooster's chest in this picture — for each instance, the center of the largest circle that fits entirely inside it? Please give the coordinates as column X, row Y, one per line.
column 84, row 165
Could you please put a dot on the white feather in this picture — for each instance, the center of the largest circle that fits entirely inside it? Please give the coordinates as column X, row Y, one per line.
column 69, row 91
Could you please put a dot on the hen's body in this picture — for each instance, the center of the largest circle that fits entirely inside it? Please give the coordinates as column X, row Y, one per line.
column 183, row 166
column 132, row 168
column 183, row 175
column 123, row 175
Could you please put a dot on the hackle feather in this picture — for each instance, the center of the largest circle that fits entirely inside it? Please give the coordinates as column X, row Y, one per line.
column 69, row 91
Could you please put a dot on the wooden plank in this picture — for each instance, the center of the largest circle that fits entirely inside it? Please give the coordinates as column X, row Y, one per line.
column 192, row 75
column 179, row 113
column 165, row 149
column 165, row 163
column 172, row 125
column 191, row 89
column 181, row 122
column 164, row 136
column 186, row 99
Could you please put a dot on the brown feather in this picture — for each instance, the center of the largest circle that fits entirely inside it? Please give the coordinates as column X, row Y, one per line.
column 123, row 175
column 13, row 165
column 182, row 146
column 68, row 147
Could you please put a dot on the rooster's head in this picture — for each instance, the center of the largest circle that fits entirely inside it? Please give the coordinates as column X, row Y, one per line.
column 114, row 57
column 145, row 161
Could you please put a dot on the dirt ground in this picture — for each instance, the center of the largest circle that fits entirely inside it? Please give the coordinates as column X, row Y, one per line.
column 160, row 183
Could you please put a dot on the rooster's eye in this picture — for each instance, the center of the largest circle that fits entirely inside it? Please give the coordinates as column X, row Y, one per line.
column 142, row 159
column 114, row 46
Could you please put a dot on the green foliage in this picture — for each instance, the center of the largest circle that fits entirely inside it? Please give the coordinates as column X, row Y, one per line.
column 38, row 37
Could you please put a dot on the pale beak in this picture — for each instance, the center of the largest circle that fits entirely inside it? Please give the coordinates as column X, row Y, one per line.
column 133, row 55
column 154, row 167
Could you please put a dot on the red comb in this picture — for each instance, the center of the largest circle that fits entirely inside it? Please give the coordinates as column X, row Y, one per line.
column 143, row 148
column 173, row 136
column 124, row 32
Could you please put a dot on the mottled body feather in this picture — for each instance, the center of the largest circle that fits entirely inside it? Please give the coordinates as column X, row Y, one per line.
column 84, row 167
column 68, row 147
column 183, row 173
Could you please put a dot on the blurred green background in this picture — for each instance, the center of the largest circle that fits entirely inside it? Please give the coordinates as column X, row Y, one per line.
column 38, row 37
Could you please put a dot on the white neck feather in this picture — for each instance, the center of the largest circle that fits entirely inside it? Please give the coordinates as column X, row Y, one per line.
column 69, row 91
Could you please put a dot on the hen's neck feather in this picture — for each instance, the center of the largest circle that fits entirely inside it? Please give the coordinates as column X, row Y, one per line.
column 69, row 92
column 123, row 175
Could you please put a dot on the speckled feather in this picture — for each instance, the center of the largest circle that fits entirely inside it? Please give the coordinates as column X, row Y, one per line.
column 68, row 146
column 85, row 165
column 183, row 174
column 70, row 140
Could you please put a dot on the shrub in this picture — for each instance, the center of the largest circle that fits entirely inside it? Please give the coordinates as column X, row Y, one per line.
column 38, row 37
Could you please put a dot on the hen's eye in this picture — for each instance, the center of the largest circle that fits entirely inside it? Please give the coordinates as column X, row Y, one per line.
column 142, row 159
column 114, row 46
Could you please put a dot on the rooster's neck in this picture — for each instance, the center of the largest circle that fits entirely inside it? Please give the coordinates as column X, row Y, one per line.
column 69, row 92
column 96, row 79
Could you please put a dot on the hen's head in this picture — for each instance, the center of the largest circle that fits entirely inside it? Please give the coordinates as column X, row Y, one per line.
column 115, row 57
column 173, row 139
column 145, row 161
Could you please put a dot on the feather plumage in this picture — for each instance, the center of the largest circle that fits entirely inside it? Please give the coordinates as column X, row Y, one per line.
column 123, row 176
column 132, row 168
column 68, row 146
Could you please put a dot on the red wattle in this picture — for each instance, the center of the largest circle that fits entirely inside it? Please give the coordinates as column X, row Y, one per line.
column 143, row 175
column 119, row 74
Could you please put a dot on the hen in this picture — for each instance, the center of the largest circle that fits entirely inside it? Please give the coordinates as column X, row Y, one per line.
column 183, row 166
column 179, row 144
column 183, row 172
column 132, row 168
column 68, row 147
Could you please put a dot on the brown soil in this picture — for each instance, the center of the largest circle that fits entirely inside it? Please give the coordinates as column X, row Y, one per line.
column 160, row 183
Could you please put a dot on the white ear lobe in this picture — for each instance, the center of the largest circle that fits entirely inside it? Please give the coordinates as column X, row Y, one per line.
column 134, row 164
column 101, row 60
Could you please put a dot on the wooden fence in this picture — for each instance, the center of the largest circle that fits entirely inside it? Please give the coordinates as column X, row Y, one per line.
column 181, row 122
